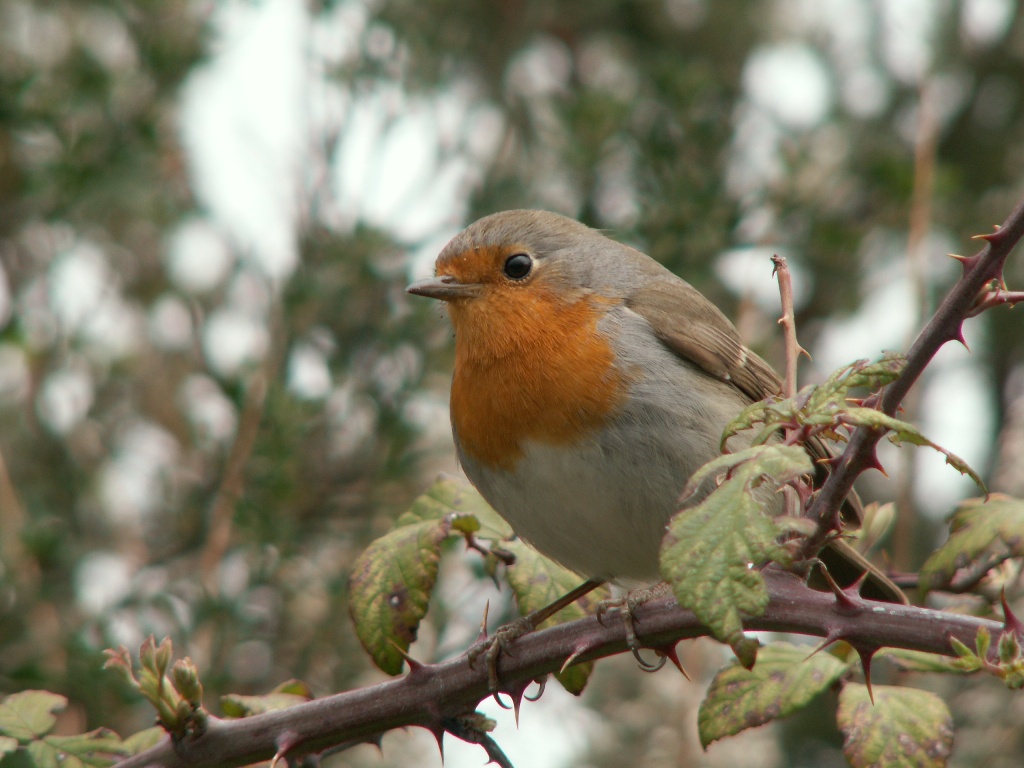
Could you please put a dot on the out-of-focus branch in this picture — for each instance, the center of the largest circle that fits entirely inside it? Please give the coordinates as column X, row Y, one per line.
column 222, row 511
column 925, row 148
column 945, row 325
column 432, row 694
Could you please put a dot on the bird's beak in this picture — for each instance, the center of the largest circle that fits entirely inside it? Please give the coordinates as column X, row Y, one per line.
column 444, row 287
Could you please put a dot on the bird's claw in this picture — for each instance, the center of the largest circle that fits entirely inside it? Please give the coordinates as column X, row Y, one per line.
column 490, row 648
column 626, row 607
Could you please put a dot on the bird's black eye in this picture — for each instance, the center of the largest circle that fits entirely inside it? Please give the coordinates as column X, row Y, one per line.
column 517, row 266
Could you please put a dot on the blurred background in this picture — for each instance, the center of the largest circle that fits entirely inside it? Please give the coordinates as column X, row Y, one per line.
column 214, row 390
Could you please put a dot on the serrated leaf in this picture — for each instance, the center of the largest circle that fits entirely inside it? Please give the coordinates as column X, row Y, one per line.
column 784, row 680
column 143, row 740
column 390, row 589
column 711, row 552
column 781, row 463
column 904, row 727
column 98, row 748
column 29, row 714
column 919, row 661
column 903, row 431
column 449, row 495
column 537, row 582
column 975, row 527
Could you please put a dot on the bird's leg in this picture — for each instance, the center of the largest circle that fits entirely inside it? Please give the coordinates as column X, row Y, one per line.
column 491, row 647
column 626, row 606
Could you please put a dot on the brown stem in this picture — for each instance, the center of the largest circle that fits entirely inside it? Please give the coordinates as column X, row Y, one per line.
column 788, row 323
column 431, row 693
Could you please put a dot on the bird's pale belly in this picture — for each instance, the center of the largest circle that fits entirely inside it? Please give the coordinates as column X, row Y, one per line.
column 601, row 515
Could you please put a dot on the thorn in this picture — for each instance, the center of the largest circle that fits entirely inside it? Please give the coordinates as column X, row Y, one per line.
column 834, row 635
column 865, row 653
column 958, row 257
column 669, row 652
column 871, row 461
column 958, row 335
column 285, row 742
column 377, row 741
column 577, row 651
column 844, row 597
column 991, row 236
column 438, row 730
column 483, row 624
column 1010, row 620
column 414, row 666
column 515, row 692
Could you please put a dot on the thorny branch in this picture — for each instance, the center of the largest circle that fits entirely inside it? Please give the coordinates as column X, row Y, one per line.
column 432, row 694
column 945, row 325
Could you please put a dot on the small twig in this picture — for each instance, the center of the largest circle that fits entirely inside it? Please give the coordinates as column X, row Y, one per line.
column 19, row 564
column 788, row 323
column 222, row 512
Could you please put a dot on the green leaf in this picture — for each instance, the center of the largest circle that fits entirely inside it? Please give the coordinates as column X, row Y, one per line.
column 236, row 705
column 784, row 680
column 919, row 661
column 903, row 431
column 8, row 744
column 391, row 586
column 904, row 727
column 781, row 463
column 536, row 583
column 143, row 740
column 29, row 714
column 975, row 528
column 449, row 495
column 711, row 552
column 98, row 748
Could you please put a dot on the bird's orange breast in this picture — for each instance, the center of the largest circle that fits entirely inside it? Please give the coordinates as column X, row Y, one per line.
column 530, row 365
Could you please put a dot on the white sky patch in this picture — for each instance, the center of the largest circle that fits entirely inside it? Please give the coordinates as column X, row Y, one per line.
column 747, row 272
column 197, row 257
column 132, row 481
column 208, row 409
column 401, row 166
column 308, row 373
column 78, row 278
column 102, row 580
column 170, row 323
column 790, row 82
column 232, row 339
column 244, row 126
column 65, row 397
column 908, row 29
column 985, row 22
column 956, row 414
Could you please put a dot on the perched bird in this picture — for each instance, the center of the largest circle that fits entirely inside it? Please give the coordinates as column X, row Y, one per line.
column 590, row 383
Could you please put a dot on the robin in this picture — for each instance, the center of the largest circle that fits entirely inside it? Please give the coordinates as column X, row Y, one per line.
column 590, row 382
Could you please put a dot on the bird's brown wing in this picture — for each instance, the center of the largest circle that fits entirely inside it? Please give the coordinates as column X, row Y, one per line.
column 696, row 330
